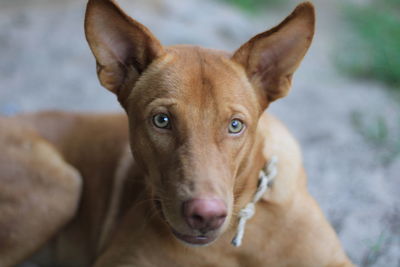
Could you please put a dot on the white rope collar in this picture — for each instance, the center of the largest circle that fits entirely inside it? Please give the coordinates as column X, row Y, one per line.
column 265, row 179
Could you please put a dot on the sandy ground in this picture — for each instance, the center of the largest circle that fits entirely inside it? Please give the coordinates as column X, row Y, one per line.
column 45, row 63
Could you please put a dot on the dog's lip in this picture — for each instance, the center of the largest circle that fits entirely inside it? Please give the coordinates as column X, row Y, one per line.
column 196, row 240
column 199, row 240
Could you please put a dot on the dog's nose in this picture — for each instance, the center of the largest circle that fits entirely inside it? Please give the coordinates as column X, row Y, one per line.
column 204, row 214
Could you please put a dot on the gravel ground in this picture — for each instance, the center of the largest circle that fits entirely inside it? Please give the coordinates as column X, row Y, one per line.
column 46, row 64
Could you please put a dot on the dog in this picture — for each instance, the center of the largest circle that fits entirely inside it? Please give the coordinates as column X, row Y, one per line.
column 171, row 183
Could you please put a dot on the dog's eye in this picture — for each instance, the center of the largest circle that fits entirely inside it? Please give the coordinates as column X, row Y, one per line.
column 235, row 126
column 161, row 120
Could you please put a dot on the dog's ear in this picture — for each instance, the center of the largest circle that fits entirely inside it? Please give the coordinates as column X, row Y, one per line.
column 270, row 58
column 123, row 48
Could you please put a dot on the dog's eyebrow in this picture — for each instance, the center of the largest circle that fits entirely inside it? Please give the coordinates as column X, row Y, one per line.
column 239, row 109
column 157, row 102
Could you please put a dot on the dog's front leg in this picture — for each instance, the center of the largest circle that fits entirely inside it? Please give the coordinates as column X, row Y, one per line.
column 39, row 193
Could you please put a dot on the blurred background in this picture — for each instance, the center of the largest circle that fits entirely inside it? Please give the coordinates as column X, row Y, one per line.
column 344, row 106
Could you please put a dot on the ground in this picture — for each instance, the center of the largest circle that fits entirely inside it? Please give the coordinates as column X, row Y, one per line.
column 46, row 64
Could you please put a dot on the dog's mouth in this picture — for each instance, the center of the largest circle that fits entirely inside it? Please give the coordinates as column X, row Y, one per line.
column 199, row 240
column 193, row 240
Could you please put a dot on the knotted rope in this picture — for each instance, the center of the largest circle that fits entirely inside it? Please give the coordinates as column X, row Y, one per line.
column 266, row 176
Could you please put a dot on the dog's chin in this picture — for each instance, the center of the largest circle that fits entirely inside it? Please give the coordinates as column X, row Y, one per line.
column 191, row 240
column 194, row 240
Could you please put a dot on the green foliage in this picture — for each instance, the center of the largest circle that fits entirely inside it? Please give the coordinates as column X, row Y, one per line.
column 376, row 249
column 374, row 49
column 253, row 6
column 376, row 131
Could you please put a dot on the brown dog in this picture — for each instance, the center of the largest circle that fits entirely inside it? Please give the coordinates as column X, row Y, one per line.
column 199, row 138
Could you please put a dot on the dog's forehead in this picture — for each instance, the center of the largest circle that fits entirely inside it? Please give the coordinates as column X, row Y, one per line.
column 205, row 71
column 195, row 74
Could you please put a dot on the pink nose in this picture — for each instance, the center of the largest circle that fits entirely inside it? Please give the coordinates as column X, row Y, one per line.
column 204, row 214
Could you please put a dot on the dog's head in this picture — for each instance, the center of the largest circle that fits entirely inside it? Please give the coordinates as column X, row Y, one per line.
column 193, row 112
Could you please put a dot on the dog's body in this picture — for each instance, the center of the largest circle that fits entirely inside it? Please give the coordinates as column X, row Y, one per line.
column 93, row 203
column 288, row 230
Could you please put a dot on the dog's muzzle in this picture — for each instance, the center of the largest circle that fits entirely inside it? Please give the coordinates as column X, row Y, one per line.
column 203, row 216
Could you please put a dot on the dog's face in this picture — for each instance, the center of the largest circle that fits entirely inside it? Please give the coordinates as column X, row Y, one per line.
column 193, row 117
column 194, row 112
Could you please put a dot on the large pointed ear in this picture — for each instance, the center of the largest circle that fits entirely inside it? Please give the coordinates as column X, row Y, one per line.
column 270, row 58
column 123, row 48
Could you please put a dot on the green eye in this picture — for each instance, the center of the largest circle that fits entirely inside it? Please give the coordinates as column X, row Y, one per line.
column 161, row 120
column 235, row 126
